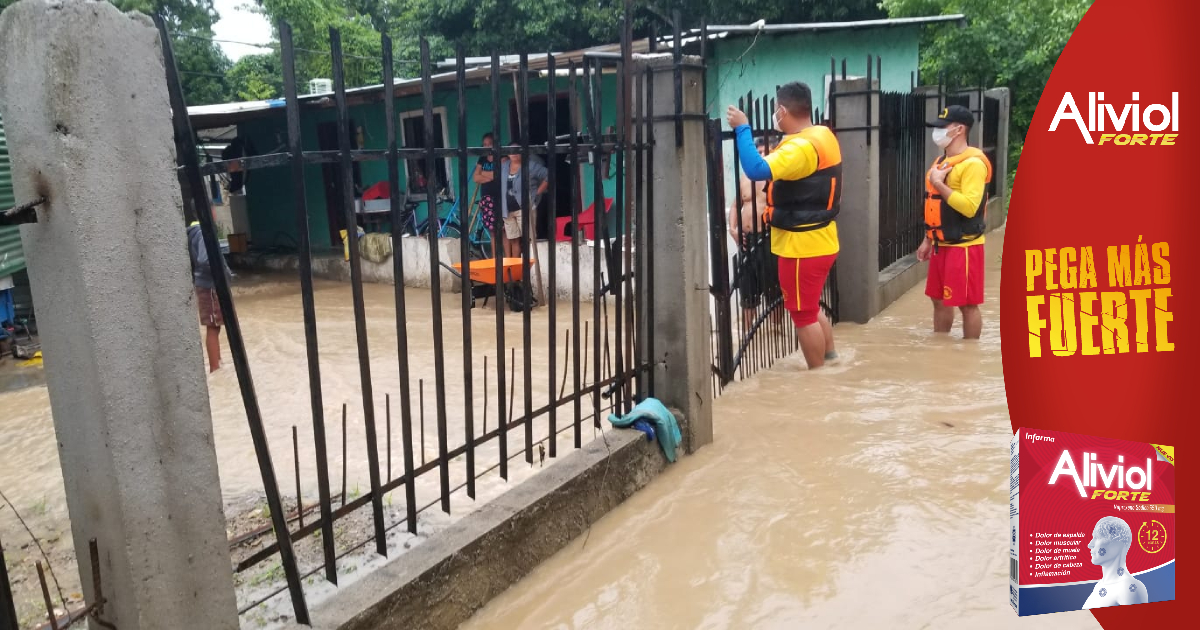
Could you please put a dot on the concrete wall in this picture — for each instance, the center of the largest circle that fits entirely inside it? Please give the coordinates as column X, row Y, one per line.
column 440, row 583
column 858, row 221
column 82, row 83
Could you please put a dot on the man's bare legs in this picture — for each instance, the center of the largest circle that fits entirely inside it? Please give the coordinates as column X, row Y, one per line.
column 972, row 322
column 943, row 319
column 827, row 331
column 212, row 345
column 813, row 343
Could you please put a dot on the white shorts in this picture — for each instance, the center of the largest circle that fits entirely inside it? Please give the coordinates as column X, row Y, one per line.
column 512, row 225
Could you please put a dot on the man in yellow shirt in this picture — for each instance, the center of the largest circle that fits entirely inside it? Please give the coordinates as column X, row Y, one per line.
column 805, row 171
column 955, row 200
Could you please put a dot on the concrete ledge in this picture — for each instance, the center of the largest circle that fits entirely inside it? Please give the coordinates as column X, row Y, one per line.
column 898, row 278
column 440, row 583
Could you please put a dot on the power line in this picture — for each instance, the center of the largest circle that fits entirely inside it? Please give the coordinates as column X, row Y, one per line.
column 275, row 46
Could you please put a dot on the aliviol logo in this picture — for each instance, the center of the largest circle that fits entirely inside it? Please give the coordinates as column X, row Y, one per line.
column 1153, row 117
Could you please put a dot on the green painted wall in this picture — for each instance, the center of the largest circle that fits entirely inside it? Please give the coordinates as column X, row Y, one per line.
column 777, row 59
column 270, row 198
column 12, row 257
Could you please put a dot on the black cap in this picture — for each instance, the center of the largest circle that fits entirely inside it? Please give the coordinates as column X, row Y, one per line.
column 953, row 114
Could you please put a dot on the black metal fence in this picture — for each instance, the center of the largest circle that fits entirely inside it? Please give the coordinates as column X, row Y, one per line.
column 902, row 169
column 751, row 329
column 59, row 615
column 604, row 368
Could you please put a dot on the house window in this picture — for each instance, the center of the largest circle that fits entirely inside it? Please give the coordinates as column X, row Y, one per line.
column 412, row 136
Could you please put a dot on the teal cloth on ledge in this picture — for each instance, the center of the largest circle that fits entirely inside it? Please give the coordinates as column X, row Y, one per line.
column 665, row 425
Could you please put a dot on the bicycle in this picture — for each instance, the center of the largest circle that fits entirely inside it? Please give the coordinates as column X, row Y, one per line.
column 447, row 227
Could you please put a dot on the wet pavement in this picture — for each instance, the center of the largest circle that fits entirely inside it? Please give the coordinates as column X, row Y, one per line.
column 871, row 494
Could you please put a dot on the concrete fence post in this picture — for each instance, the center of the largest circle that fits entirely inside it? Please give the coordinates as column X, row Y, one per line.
column 89, row 128
column 1000, row 168
column 932, row 109
column 858, row 222
column 682, row 356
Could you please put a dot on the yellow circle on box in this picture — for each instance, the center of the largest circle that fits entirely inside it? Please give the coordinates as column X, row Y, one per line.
column 1152, row 536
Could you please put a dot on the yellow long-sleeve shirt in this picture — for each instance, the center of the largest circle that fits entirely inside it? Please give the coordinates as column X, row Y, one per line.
column 968, row 181
column 796, row 158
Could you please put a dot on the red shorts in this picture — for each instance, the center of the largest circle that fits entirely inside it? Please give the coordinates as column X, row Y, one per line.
column 956, row 275
column 803, row 281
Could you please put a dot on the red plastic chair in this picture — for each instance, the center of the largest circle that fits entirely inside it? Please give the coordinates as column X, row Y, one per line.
column 587, row 222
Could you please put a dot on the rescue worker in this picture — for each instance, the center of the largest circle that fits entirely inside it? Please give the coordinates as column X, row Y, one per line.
column 955, row 198
column 805, row 175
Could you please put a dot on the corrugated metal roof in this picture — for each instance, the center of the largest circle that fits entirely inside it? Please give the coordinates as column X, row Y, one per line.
column 12, row 257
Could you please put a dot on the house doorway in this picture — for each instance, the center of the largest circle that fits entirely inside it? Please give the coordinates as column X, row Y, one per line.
column 327, row 140
column 564, row 173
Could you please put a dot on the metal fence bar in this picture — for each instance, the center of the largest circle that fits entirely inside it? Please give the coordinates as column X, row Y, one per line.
column 528, row 241
column 592, row 78
column 191, row 172
column 8, row 609
column 435, row 278
column 465, row 257
column 576, row 236
column 396, row 217
column 296, row 152
column 499, row 251
column 649, row 279
column 356, row 280
column 552, row 244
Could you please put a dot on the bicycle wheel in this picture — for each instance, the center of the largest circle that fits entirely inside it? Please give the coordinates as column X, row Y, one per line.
column 450, row 229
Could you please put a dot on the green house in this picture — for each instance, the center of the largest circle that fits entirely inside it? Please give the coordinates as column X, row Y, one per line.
column 740, row 59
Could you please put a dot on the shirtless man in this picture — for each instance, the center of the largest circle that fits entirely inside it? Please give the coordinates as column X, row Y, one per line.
column 1117, row 587
column 754, row 265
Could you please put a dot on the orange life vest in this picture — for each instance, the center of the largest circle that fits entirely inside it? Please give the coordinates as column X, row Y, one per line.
column 944, row 224
column 812, row 202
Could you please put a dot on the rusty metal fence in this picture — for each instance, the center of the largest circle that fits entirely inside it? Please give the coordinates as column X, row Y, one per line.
column 751, row 329
column 605, row 368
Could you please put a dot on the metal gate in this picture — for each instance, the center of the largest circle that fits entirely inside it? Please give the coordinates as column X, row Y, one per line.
column 751, row 329
column 604, row 366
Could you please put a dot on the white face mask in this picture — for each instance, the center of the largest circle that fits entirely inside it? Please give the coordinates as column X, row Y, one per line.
column 775, row 119
column 941, row 137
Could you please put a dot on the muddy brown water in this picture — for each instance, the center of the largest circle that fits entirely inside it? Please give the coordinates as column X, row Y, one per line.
column 872, row 494
column 269, row 309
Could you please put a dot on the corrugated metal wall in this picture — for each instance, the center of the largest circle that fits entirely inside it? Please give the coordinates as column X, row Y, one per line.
column 12, row 259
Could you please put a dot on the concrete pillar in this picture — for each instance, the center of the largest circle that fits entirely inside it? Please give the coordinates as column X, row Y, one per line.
column 682, row 356
column 858, row 222
column 1000, row 168
column 89, row 127
column 932, row 109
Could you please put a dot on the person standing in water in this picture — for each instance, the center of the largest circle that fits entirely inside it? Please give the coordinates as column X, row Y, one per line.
column 805, row 175
column 756, row 269
column 955, row 199
column 206, row 295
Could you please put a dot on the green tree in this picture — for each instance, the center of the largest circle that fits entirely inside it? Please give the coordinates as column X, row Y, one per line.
column 362, row 50
column 256, row 77
column 1013, row 44
column 202, row 64
column 484, row 25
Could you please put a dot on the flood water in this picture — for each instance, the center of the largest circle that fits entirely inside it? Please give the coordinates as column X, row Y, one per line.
column 868, row 494
column 871, row 494
column 269, row 309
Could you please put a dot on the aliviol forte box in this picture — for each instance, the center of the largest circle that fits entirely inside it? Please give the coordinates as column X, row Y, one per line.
column 1092, row 522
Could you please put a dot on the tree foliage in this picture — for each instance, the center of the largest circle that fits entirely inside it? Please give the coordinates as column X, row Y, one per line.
column 1013, row 44
column 202, row 64
column 256, row 77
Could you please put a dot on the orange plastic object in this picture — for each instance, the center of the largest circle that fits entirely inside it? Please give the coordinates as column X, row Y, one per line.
column 485, row 270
